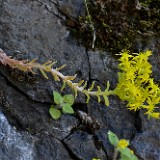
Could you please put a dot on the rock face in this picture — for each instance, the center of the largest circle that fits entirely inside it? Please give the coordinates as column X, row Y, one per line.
column 83, row 146
column 22, row 146
column 36, row 29
column 147, row 143
column 14, row 145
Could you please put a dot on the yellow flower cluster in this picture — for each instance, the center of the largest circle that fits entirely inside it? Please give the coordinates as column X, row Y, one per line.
column 136, row 85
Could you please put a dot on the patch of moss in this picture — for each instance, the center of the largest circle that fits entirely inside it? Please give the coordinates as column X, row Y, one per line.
column 118, row 23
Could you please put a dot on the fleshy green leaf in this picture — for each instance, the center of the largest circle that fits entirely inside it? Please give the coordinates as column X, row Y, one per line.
column 68, row 98
column 55, row 113
column 63, row 86
column 108, row 85
column 43, row 73
column 113, row 138
column 123, row 157
column 58, row 99
column 66, row 108
column 126, row 152
column 106, row 100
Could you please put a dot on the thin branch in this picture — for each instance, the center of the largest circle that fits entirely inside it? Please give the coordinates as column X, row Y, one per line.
column 57, row 75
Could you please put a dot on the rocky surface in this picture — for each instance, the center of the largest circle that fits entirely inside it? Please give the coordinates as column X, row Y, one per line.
column 146, row 143
column 83, row 146
column 14, row 145
column 35, row 32
column 20, row 145
column 36, row 29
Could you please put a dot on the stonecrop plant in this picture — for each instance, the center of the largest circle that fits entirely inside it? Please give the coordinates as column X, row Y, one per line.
column 121, row 146
column 63, row 104
column 135, row 84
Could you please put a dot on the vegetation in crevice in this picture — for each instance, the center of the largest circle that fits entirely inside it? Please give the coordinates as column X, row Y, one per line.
column 117, row 23
column 121, row 146
column 135, row 83
column 110, row 25
column 63, row 104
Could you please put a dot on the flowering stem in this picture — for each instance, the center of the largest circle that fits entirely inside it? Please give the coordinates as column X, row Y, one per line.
column 57, row 75
column 115, row 154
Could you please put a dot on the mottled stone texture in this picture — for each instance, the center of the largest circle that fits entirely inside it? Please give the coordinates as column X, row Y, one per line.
column 36, row 29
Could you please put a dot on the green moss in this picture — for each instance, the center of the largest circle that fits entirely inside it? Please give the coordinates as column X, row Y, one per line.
column 118, row 24
column 150, row 3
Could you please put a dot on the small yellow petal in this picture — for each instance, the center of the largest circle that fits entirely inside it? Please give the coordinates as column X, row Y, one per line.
column 123, row 143
column 131, row 151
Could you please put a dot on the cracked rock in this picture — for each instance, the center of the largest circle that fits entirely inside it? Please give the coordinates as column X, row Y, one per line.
column 147, row 143
column 83, row 147
column 29, row 115
column 72, row 8
column 28, row 30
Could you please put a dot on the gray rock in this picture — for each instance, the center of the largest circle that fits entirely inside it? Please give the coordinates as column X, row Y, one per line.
column 72, row 8
column 103, row 67
column 49, row 148
column 35, row 32
column 22, row 146
column 82, row 145
column 33, row 116
column 147, row 143
column 13, row 144
column 115, row 118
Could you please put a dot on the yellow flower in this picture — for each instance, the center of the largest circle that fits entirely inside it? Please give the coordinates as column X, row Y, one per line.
column 123, row 143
